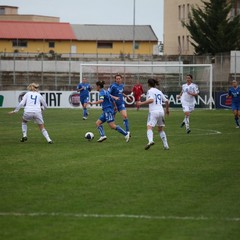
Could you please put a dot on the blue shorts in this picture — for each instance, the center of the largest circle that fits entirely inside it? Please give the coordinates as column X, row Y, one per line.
column 236, row 106
column 107, row 116
column 120, row 106
column 84, row 99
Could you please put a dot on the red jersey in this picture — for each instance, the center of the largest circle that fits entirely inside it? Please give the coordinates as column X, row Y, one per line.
column 137, row 91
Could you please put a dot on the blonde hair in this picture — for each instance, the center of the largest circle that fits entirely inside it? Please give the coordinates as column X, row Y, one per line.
column 33, row 87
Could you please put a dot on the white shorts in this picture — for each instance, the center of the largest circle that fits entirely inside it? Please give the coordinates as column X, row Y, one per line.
column 156, row 119
column 35, row 116
column 187, row 108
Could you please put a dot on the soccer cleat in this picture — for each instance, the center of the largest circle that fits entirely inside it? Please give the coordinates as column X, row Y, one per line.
column 237, row 126
column 23, row 139
column 50, row 142
column 84, row 118
column 127, row 137
column 149, row 145
column 183, row 123
column 188, row 130
column 101, row 139
column 166, row 147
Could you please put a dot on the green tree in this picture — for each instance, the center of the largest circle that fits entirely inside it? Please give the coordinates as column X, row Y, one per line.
column 212, row 28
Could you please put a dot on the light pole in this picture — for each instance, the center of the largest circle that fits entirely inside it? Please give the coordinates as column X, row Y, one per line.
column 133, row 46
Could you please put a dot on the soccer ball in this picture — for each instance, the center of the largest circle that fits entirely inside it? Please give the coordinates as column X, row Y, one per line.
column 89, row 136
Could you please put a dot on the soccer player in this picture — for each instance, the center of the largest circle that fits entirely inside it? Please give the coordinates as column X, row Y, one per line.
column 137, row 92
column 187, row 96
column 155, row 99
column 106, row 100
column 234, row 93
column 116, row 89
column 33, row 104
column 84, row 88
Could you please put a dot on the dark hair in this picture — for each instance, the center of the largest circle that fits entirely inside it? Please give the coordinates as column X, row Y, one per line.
column 190, row 75
column 153, row 82
column 100, row 83
column 118, row 75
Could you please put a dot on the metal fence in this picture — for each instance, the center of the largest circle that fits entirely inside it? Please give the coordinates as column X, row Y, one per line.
column 62, row 72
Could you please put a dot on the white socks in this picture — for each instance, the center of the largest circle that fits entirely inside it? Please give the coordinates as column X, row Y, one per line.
column 150, row 135
column 45, row 134
column 24, row 129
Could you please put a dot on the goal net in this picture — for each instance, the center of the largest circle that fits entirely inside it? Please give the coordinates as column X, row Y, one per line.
column 170, row 76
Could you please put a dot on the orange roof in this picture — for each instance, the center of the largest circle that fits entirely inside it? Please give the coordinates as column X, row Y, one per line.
column 36, row 30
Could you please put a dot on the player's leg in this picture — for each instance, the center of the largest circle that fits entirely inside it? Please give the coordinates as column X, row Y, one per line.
column 24, row 131
column 112, row 125
column 84, row 105
column 100, row 128
column 162, row 134
column 137, row 99
column 39, row 120
column 236, row 117
column 25, row 119
column 187, row 110
column 123, row 113
column 45, row 133
column 150, row 124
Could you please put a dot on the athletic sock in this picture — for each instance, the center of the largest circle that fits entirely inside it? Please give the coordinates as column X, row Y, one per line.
column 236, row 121
column 186, row 120
column 45, row 134
column 101, row 130
column 125, row 122
column 150, row 135
column 24, row 129
column 164, row 138
column 84, row 112
column 120, row 130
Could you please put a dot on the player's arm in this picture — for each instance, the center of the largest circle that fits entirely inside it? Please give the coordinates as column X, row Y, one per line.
column 167, row 107
column 179, row 95
column 114, row 97
column 147, row 102
column 20, row 105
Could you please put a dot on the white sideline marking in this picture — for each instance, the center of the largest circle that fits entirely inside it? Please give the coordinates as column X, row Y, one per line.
column 202, row 132
column 83, row 215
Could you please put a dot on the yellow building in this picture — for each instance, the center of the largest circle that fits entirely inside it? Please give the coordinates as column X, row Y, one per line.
column 40, row 34
column 176, row 37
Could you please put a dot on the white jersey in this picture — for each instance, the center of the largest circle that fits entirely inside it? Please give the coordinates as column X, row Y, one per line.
column 158, row 100
column 32, row 102
column 187, row 99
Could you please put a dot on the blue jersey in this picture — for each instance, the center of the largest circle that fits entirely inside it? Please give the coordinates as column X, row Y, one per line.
column 117, row 91
column 86, row 89
column 107, row 99
column 235, row 94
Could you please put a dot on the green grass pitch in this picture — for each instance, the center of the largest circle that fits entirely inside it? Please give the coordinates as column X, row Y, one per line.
column 75, row 189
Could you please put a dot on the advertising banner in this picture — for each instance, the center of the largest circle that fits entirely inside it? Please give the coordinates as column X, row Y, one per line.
column 70, row 99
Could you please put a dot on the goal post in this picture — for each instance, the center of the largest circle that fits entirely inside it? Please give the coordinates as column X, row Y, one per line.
column 171, row 76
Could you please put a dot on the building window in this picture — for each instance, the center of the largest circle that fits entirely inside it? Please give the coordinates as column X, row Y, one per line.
column 188, row 43
column 179, row 45
column 183, row 43
column 137, row 45
column 51, row 44
column 179, row 12
column 183, row 11
column 188, row 10
column 104, row 45
column 19, row 43
column 2, row 11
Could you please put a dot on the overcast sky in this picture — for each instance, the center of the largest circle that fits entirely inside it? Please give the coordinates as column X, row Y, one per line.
column 147, row 12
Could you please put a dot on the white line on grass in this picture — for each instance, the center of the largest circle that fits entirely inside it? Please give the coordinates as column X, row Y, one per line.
column 127, row 216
